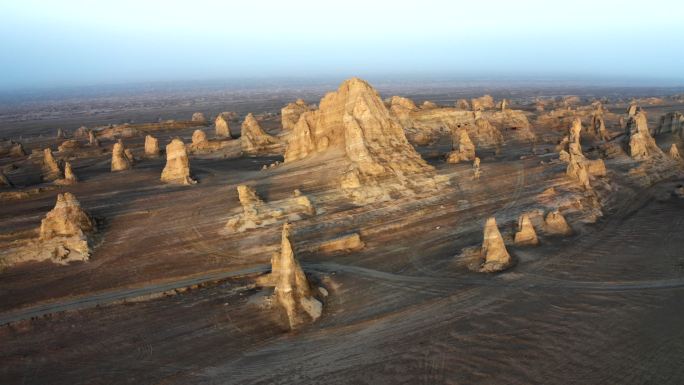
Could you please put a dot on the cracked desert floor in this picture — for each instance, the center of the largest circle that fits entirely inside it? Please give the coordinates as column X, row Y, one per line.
column 374, row 194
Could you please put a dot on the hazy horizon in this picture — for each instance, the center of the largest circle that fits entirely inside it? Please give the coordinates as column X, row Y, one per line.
column 77, row 43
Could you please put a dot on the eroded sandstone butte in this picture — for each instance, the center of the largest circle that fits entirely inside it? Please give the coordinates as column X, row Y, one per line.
column 177, row 169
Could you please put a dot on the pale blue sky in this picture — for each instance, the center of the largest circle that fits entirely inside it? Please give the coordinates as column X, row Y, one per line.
column 78, row 42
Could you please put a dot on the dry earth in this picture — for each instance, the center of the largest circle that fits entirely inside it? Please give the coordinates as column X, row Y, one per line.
column 170, row 296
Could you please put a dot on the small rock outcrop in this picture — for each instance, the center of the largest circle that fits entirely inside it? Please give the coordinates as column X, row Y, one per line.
column 61, row 134
column 292, row 289
column 92, row 139
column 120, row 161
column 51, row 169
column 674, row 152
column 290, row 114
column 642, row 146
column 11, row 148
column 4, row 182
column 482, row 103
column 69, row 176
column 494, row 253
column 177, row 169
column 555, row 224
column 254, row 140
column 198, row 117
column 64, row 232
column 222, row 127
column 465, row 151
column 525, row 236
column 257, row 213
column 151, row 146
column 462, row 104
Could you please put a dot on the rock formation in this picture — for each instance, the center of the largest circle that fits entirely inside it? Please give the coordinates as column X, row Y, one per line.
column 257, row 213
column 598, row 126
column 496, row 257
column 199, row 138
column 344, row 243
column 555, row 224
column 674, row 152
column 151, row 146
column 401, row 108
column 69, row 176
column 198, row 117
column 476, row 168
column 4, row 182
column 68, row 145
column 51, row 169
column 526, row 236
column 292, row 289
column 632, row 109
column 120, row 161
column 290, row 114
column 428, row 105
column 354, row 123
column 177, row 169
column 81, row 132
column 514, row 122
column 642, row 146
column 482, row 103
column 92, row 139
column 222, row 127
column 254, row 140
column 672, row 122
column 462, row 104
column 61, row 134
column 11, row 148
column 466, row 149
column 63, row 232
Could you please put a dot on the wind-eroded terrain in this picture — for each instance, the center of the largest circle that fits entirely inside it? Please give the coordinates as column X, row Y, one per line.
column 343, row 240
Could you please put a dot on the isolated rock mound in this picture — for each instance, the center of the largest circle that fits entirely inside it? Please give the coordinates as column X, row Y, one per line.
column 63, row 232
column 526, row 236
column 555, row 224
column 496, row 257
column 290, row 114
column 292, row 290
column 120, row 161
column 674, row 152
column 222, row 127
column 177, row 169
column 642, row 146
column 200, row 143
column 482, row 103
column 51, row 169
column 257, row 213
column 151, row 146
column 254, row 140
column 198, row 117
column 69, row 176
column 464, row 150
column 92, row 139
column 354, row 122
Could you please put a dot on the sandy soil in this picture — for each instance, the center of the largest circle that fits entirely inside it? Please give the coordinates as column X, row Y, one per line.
column 599, row 307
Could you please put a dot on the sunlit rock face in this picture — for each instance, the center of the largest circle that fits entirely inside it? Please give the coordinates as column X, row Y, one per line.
column 177, row 169
column 354, row 123
column 254, row 140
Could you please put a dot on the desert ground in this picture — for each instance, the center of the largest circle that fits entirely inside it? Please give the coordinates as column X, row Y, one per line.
column 344, row 238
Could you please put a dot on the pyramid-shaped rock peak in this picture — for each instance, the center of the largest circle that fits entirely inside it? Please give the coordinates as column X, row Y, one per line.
column 66, row 219
column 496, row 257
column 354, row 122
column 292, row 288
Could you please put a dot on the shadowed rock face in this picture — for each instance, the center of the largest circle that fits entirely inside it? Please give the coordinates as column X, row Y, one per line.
column 222, row 127
column 92, row 139
column 120, row 160
column 496, row 257
column 69, row 176
column 526, row 236
column 355, row 122
column 292, row 289
column 254, row 139
column 290, row 114
column 151, row 146
column 177, row 169
column 4, row 182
